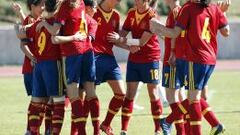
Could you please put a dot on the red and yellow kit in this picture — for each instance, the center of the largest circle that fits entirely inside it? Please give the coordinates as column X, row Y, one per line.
column 73, row 20
column 27, row 67
column 107, row 22
column 44, row 49
column 170, row 23
column 138, row 23
column 202, row 25
column 92, row 29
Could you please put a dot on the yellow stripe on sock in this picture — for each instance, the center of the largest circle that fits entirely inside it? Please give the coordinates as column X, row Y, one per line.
column 204, row 112
column 79, row 120
column 112, row 112
column 57, row 121
column 126, row 114
column 96, row 119
column 178, row 121
column 195, row 123
column 34, row 117
column 182, row 109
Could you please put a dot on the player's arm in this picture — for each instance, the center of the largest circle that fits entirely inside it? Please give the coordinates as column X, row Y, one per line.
column 157, row 26
column 172, row 58
column 25, row 49
column 52, row 29
column 18, row 11
column 122, row 33
column 225, row 31
column 64, row 39
column 224, row 6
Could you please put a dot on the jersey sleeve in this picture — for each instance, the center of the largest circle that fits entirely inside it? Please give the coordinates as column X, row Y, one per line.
column 127, row 23
column 30, row 32
column 222, row 19
column 183, row 18
column 62, row 14
column 118, row 23
column 92, row 27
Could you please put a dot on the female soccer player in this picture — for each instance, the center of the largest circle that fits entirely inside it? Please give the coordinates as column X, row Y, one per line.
column 36, row 8
column 170, row 79
column 78, row 62
column 143, row 61
column 202, row 20
column 47, row 74
column 107, row 69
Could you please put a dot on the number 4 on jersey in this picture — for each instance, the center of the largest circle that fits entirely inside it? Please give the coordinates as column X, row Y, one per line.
column 205, row 32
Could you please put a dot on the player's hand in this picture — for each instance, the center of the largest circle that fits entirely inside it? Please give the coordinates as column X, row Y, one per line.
column 113, row 37
column 16, row 8
column 79, row 36
column 134, row 49
column 172, row 59
column 175, row 12
column 40, row 25
column 33, row 61
column 224, row 5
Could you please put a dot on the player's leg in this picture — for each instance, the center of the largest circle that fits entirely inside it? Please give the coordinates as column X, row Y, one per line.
column 88, row 77
column 38, row 101
column 72, row 66
column 28, row 86
column 48, row 116
column 127, row 107
column 135, row 104
column 156, row 105
column 113, row 77
column 52, row 76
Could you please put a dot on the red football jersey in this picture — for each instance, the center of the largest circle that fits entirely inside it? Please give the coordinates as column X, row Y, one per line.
column 170, row 23
column 72, row 20
column 45, row 49
column 107, row 23
column 27, row 67
column 202, row 25
column 137, row 23
column 92, row 28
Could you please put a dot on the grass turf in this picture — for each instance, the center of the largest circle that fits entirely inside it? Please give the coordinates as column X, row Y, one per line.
column 224, row 88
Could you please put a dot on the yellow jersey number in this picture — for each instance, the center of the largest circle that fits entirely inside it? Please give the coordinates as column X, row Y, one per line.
column 83, row 25
column 41, row 42
column 205, row 32
column 154, row 74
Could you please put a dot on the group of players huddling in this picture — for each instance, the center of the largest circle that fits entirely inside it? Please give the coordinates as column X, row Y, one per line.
column 68, row 52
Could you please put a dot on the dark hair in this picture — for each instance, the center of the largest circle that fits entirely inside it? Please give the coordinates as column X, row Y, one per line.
column 205, row 3
column 91, row 3
column 50, row 5
column 33, row 2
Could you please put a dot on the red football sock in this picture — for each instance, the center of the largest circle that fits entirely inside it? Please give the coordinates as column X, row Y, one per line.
column 208, row 114
column 48, row 117
column 156, row 109
column 195, row 117
column 179, row 124
column 187, row 124
column 34, row 118
column 28, row 114
column 114, row 106
column 127, row 110
column 78, row 119
column 94, row 108
column 178, row 110
column 57, row 118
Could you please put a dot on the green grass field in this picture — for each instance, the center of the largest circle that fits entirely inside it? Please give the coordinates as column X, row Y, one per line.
column 224, row 99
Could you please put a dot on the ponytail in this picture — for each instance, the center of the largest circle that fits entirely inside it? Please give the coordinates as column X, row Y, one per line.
column 205, row 3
